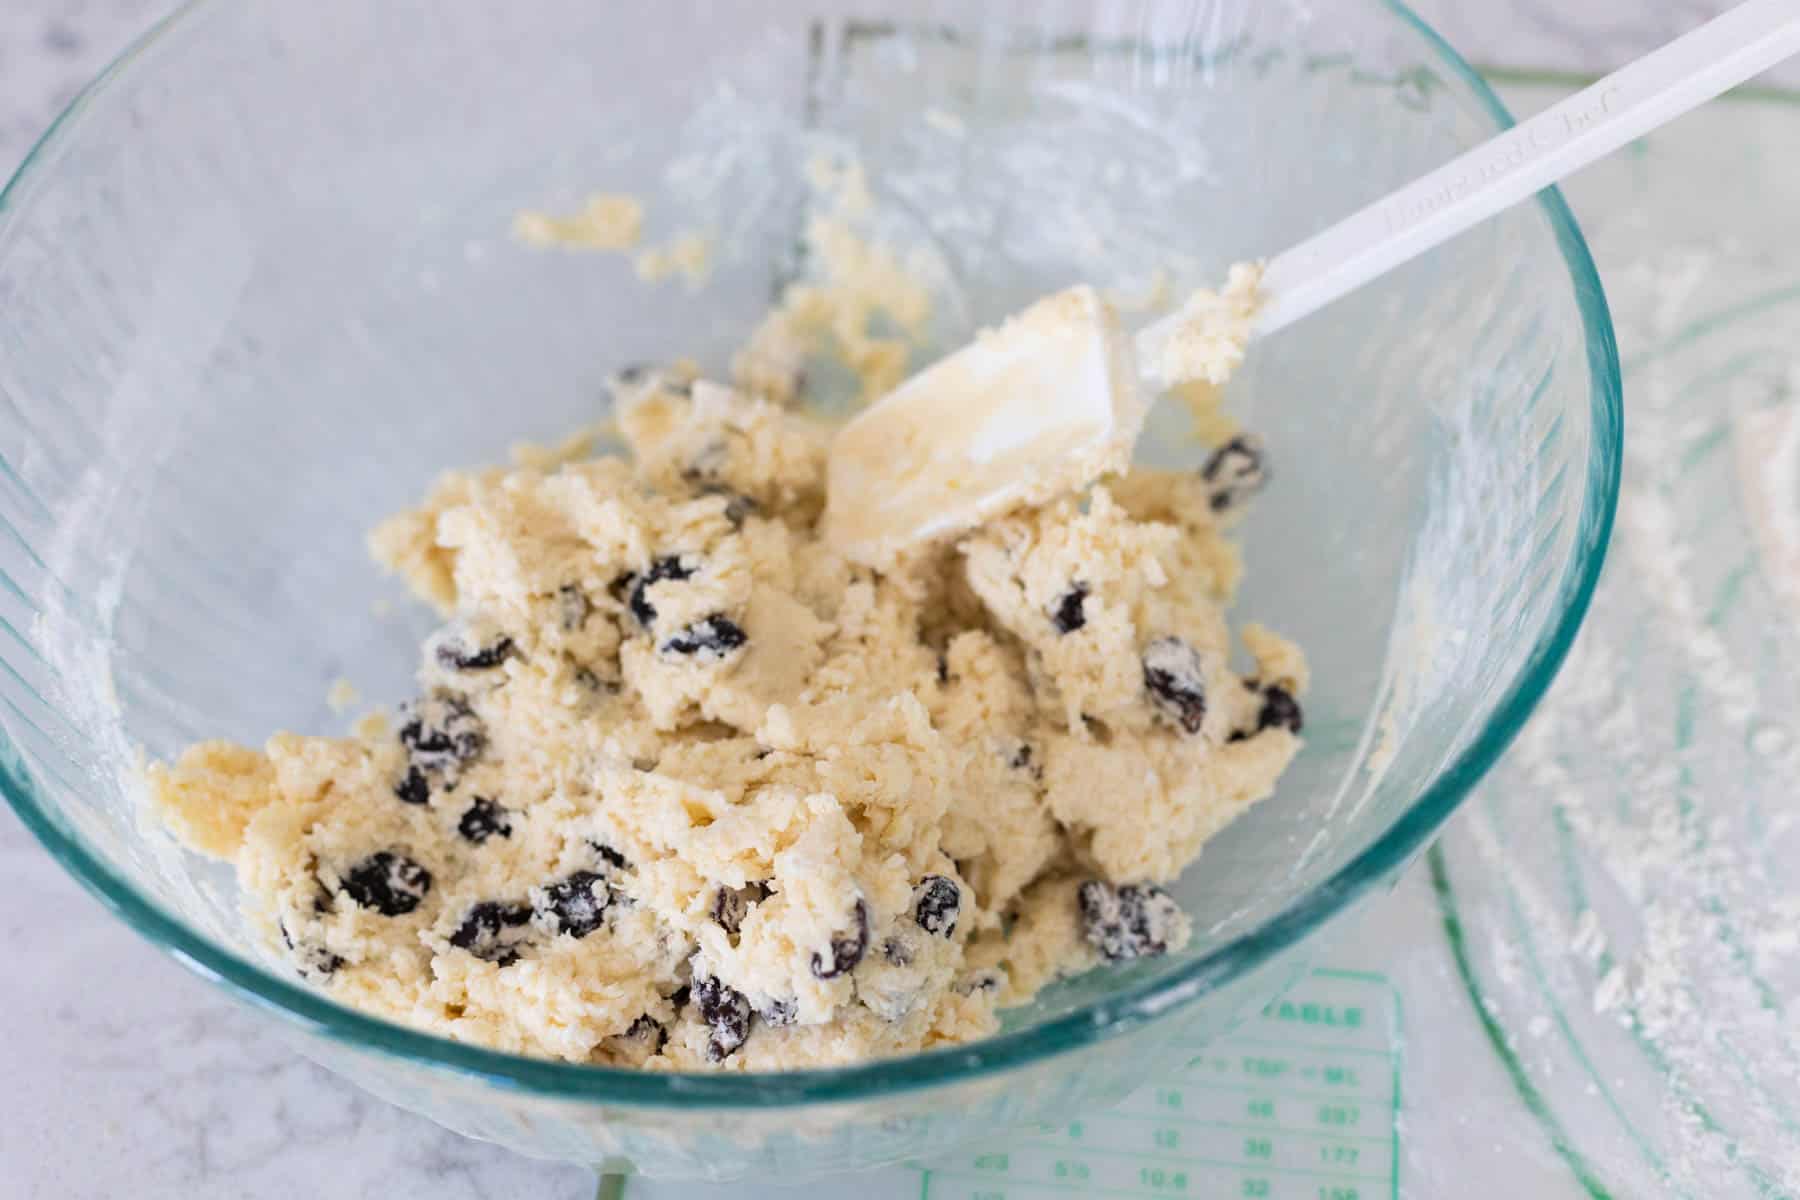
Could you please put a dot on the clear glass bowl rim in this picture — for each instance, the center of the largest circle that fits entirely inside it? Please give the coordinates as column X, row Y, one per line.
column 1117, row 1013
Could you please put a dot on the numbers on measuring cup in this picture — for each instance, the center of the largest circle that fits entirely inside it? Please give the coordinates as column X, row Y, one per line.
column 1163, row 1180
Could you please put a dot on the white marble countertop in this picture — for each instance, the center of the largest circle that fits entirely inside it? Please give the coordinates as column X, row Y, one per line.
column 125, row 1074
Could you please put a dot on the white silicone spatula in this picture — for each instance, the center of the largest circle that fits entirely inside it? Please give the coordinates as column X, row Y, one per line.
column 1053, row 395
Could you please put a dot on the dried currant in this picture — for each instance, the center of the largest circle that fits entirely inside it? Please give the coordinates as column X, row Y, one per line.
column 636, row 587
column 731, row 905
column 442, row 733
column 897, row 952
column 484, row 819
column 572, row 606
column 1069, row 613
column 1279, row 711
column 650, row 1031
column 780, row 1012
column 847, row 949
column 612, row 858
column 413, row 787
column 588, row 681
column 729, row 908
column 708, row 461
column 725, row 1011
column 483, row 931
column 738, row 508
column 1130, row 921
column 466, row 646
column 1176, row 680
column 312, row 959
column 737, row 505
column 318, row 962
column 390, row 883
column 1235, row 471
column 710, row 639
column 937, row 903
column 985, row 980
column 577, row 903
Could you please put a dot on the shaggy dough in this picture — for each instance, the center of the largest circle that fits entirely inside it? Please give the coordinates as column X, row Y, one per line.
column 684, row 789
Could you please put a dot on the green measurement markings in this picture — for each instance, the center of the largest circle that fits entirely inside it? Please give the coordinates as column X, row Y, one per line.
column 1299, row 1104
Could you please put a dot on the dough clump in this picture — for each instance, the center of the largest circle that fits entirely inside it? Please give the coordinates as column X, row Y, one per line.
column 684, row 789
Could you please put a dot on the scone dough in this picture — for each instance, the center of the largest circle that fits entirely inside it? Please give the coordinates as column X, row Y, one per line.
column 684, row 789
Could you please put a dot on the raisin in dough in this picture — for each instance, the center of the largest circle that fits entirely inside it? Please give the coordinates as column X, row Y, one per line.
column 683, row 789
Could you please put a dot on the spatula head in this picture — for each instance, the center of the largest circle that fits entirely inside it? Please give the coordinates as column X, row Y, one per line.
column 1040, row 406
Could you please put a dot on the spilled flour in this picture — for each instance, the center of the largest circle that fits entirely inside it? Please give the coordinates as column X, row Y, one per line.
column 1641, row 830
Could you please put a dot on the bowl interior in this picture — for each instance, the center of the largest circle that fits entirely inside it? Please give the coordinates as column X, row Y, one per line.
column 261, row 289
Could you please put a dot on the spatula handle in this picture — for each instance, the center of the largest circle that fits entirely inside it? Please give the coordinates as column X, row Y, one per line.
column 1529, row 157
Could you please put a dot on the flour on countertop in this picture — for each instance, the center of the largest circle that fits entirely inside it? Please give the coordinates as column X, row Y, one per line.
column 1664, row 744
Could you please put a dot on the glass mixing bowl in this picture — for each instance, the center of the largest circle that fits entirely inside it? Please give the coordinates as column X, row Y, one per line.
column 257, row 289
